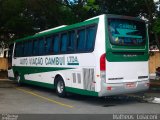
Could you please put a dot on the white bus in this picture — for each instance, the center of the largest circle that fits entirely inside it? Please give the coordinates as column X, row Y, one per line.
column 102, row 56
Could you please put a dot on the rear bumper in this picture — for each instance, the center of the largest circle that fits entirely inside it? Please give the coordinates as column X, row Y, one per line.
column 120, row 88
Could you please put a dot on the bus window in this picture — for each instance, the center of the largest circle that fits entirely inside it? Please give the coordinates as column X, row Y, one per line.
column 41, row 46
column 64, row 42
column 90, row 37
column 16, row 53
column 35, row 47
column 126, row 32
column 29, row 51
column 81, row 40
column 25, row 49
column 71, row 41
column 47, row 45
column 55, row 44
column 19, row 50
column 10, row 56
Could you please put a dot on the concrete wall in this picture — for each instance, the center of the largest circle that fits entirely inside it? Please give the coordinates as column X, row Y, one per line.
column 154, row 61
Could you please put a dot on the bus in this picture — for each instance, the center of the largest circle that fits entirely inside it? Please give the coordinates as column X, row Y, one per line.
column 102, row 56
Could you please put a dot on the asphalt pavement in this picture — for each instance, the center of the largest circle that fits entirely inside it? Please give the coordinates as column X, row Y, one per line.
column 36, row 100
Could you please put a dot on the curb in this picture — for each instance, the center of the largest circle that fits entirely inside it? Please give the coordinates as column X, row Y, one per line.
column 6, row 83
column 155, row 83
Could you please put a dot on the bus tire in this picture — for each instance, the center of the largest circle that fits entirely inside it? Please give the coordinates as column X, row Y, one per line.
column 60, row 87
column 18, row 79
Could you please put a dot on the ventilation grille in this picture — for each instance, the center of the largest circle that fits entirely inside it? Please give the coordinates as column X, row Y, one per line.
column 79, row 78
column 88, row 79
column 74, row 77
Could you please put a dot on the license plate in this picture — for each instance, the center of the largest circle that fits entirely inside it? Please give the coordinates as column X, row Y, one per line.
column 130, row 85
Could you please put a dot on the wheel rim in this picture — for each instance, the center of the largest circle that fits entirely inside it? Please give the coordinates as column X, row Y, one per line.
column 60, row 87
column 18, row 79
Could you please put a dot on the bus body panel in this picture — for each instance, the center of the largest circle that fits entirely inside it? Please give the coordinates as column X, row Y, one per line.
column 125, row 77
column 81, row 71
column 70, row 67
column 120, row 72
column 120, row 88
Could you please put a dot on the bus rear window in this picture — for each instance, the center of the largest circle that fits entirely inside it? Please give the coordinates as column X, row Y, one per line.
column 126, row 32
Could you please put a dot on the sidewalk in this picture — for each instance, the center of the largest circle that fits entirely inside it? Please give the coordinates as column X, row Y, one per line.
column 6, row 83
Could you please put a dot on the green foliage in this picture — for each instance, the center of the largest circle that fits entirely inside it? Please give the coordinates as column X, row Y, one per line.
column 157, row 26
column 19, row 18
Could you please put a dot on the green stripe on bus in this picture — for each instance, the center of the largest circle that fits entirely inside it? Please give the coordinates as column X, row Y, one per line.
column 36, row 83
column 81, row 91
column 68, row 89
column 73, row 64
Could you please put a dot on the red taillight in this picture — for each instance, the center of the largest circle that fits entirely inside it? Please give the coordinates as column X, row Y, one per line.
column 109, row 88
column 103, row 62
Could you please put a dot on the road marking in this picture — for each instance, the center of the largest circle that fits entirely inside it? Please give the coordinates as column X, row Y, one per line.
column 45, row 98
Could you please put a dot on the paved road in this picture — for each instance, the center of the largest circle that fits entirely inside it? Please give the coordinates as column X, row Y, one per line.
column 36, row 100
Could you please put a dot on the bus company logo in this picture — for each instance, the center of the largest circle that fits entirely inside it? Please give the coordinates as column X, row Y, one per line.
column 72, row 60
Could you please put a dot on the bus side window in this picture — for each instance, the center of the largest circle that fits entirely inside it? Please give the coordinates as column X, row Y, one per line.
column 25, row 53
column 41, row 46
column 35, row 47
column 16, row 50
column 29, row 51
column 81, row 40
column 47, row 45
column 90, row 37
column 55, row 44
column 10, row 56
column 19, row 50
column 63, row 45
column 71, row 41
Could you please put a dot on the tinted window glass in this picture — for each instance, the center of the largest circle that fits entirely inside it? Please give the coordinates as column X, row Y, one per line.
column 71, row 41
column 16, row 50
column 10, row 56
column 126, row 32
column 10, row 52
column 55, row 43
column 47, row 45
column 64, row 42
column 19, row 50
column 90, row 37
column 25, row 49
column 29, row 51
column 41, row 46
column 35, row 47
column 81, row 40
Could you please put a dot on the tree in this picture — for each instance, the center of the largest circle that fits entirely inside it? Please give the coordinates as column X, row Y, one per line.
column 20, row 18
column 138, row 8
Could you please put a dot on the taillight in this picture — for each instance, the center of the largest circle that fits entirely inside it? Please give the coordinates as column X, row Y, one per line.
column 103, row 67
column 103, row 62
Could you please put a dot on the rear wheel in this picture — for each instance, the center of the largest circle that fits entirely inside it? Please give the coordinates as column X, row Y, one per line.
column 60, row 87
